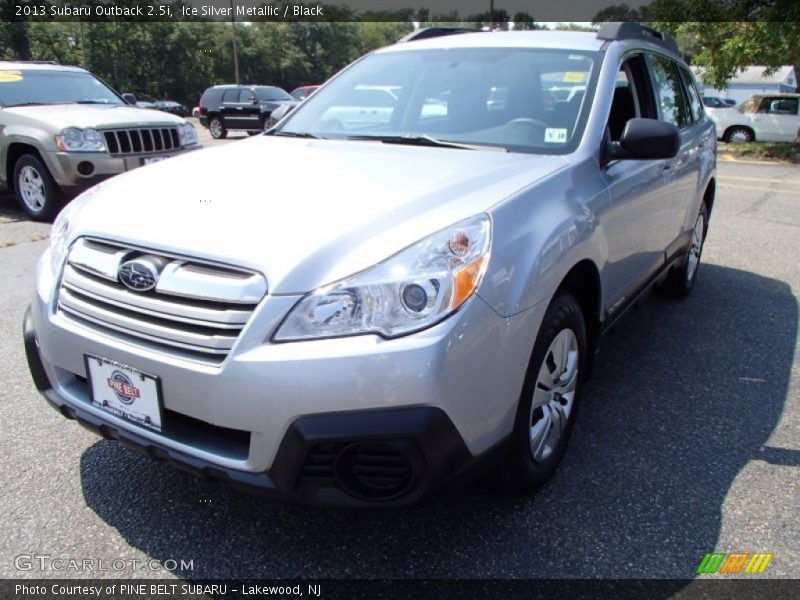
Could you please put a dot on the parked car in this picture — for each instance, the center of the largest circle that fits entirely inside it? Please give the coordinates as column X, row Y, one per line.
column 714, row 102
column 62, row 130
column 304, row 91
column 241, row 107
column 760, row 118
column 172, row 107
column 367, row 313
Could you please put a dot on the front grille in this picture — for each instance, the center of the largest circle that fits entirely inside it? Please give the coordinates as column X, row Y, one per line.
column 197, row 310
column 144, row 140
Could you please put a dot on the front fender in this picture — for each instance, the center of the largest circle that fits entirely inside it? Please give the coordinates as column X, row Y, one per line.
column 542, row 232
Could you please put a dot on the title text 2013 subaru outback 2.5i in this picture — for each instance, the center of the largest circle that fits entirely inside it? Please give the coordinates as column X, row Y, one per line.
column 431, row 299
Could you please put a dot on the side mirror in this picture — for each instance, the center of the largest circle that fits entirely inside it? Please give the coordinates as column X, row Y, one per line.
column 129, row 99
column 644, row 139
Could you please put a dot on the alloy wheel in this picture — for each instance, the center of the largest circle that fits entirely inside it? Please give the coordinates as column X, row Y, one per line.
column 553, row 395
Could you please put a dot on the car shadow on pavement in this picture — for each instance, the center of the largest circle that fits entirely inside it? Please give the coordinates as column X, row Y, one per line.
column 683, row 396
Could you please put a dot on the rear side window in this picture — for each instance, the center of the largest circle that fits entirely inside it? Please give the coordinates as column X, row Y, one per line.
column 779, row 106
column 695, row 103
column 669, row 91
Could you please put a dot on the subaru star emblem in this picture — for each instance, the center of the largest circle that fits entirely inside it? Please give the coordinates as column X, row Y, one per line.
column 138, row 274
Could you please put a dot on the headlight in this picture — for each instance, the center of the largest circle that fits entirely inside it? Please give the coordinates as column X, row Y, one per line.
column 412, row 290
column 73, row 139
column 62, row 226
column 188, row 134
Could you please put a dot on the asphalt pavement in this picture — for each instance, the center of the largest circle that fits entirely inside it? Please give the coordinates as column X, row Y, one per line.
column 687, row 442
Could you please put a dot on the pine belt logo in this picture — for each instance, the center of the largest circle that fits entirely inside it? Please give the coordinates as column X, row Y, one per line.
column 734, row 562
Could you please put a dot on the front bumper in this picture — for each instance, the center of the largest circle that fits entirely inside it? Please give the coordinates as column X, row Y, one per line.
column 77, row 171
column 287, row 419
column 314, row 461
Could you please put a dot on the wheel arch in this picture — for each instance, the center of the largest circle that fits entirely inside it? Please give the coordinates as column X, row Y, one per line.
column 13, row 154
column 710, row 195
column 730, row 127
column 584, row 283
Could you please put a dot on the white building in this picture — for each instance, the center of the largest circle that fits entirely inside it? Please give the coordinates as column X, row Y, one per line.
column 751, row 80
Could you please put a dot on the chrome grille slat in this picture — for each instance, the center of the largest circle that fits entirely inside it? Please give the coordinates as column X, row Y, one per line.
column 116, row 319
column 156, row 305
column 180, row 317
column 143, row 140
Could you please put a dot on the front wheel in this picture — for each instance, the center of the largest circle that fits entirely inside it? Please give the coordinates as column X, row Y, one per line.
column 550, row 394
column 217, row 128
column 37, row 192
column 681, row 278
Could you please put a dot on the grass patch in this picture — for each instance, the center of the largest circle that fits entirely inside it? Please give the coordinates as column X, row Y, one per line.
column 783, row 151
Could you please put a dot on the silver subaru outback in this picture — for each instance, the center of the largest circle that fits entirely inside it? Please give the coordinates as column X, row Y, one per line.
column 400, row 284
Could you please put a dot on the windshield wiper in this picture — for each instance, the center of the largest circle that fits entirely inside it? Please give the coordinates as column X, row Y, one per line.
column 423, row 140
column 28, row 104
column 96, row 102
column 297, row 134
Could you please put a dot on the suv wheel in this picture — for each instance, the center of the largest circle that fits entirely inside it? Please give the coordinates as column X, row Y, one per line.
column 736, row 135
column 549, row 400
column 680, row 281
column 37, row 193
column 217, row 128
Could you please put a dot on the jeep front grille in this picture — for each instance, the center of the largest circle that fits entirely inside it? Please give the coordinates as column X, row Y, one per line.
column 143, row 140
column 196, row 310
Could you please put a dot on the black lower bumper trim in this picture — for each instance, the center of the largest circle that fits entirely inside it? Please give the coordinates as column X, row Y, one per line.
column 430, row 445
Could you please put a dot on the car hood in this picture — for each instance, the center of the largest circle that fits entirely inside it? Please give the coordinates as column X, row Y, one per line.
column 94, row 116
column 303, row 212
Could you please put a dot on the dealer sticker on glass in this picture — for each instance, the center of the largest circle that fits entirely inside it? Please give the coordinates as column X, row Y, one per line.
column 125, row 392
column 555, row 136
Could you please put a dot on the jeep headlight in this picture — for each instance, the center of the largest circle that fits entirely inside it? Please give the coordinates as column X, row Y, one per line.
column 410, row 291
column 188, row 134
column 73, row 139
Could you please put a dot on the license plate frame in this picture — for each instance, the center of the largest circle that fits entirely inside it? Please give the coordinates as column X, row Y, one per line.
column 125, row 392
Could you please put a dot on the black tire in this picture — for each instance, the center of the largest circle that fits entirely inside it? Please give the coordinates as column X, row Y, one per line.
column 37, row 192
column 740, row 134
column 217, row 128
column 681, row 278
column 523, row 472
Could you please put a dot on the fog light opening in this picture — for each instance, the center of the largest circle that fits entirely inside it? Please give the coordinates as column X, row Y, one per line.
column 374, row 470
column 85, row 168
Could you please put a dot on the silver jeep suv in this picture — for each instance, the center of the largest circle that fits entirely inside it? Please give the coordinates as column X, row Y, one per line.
column 62, row 130
column 406, row 280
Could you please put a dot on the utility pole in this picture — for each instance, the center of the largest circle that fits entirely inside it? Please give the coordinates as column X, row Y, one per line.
column 491, row 15
column 233, row 40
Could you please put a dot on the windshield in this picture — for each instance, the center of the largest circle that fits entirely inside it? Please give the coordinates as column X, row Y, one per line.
column 53, row 87
column 272, row 93
column 521, row 99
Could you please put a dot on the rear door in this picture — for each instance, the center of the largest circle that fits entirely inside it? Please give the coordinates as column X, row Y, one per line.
column 250, row 113
column 777, row 119
column 679, row 105
column 231, row 109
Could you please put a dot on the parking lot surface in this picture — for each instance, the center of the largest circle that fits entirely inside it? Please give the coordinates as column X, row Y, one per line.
column 687, row 442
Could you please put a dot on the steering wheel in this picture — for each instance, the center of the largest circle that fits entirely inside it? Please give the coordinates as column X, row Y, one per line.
column 529, row 121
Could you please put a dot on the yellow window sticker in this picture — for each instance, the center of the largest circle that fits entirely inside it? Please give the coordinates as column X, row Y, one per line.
column 9, row 76
column 574, row 77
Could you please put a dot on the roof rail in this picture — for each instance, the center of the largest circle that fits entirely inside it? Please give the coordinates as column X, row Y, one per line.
column 636, row 31
column 432, row 32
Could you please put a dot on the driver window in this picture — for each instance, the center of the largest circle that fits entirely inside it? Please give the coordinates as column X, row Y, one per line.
column 623, row 106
